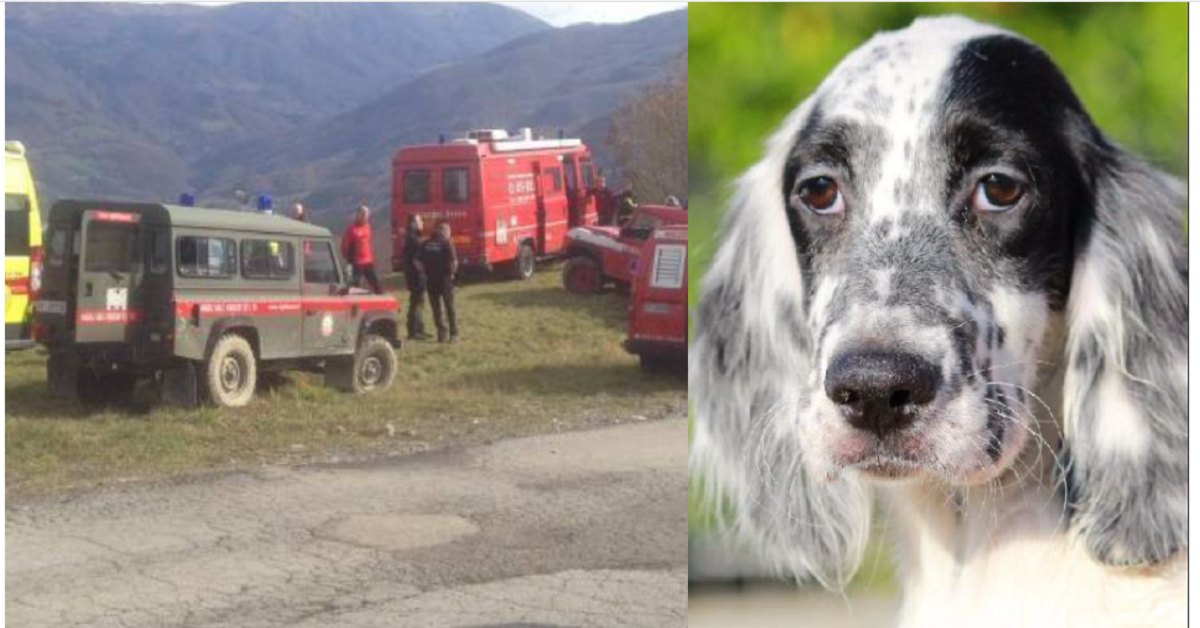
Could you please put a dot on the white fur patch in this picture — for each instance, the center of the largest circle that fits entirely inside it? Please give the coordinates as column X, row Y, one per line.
column 1121, row 428
column 883, row 283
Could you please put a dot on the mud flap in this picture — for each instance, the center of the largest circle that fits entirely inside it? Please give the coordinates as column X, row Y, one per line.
column 339, row 373
column 181, row 386
column 62, row 374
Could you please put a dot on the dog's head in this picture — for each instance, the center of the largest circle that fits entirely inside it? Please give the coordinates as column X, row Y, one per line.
column 934, row 234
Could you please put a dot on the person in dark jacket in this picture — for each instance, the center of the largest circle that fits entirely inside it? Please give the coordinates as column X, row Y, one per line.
column 414, row 277
column 441, row 265
column 356, row 248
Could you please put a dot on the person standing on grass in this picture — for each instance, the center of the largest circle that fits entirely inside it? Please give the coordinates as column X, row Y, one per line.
column 441, row 265
column 356, row 248
column 414, row 277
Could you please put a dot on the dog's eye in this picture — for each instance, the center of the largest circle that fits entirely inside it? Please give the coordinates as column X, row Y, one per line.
column 997, row 193
column 821, row 195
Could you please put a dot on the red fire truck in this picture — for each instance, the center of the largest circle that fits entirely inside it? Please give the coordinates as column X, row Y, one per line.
column 509, row 199
column 658, row 310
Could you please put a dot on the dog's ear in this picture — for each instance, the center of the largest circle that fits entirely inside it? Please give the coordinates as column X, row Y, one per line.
column 746, row 366
column 1125, row 396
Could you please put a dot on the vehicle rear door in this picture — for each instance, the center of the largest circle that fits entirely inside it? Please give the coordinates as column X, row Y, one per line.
column 552, row 197
column 660, row 296
column 588, row 214
column 574, row 196
column 17, row 251
column 110, row 269
column 326, row 315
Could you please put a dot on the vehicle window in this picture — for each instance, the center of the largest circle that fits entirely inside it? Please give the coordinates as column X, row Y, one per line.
column 455, row 188
column 268, row 259
column 109, row 247
column 160, row 251
column 319, row 265
column 556, row 177
column 416, row 186
column 56, row 247
column 207, row 257
column 569, row 169
column 16, row 224
column 586, row 167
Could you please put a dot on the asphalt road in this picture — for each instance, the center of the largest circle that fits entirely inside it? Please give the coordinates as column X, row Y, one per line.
column 584, row 529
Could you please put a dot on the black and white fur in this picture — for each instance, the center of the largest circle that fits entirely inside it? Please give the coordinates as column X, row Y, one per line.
column 1046, row 484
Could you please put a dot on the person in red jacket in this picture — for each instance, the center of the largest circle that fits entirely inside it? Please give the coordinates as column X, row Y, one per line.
column 356, row 248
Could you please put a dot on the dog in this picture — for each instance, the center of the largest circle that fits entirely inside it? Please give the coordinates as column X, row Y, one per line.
column 944, row 290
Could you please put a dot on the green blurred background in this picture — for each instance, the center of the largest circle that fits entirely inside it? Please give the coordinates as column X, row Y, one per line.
column 750, row 64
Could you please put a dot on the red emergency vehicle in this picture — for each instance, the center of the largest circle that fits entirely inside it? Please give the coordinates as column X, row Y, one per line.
column 604, row 254
column 658, row 310
column 509, row 199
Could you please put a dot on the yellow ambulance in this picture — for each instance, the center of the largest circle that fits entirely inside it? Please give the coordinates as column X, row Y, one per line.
column 22, row 247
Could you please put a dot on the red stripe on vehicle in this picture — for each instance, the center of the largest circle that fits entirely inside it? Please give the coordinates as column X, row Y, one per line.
column 107, row 317
column 278, row 308
column 115, row 216
column 17, row 286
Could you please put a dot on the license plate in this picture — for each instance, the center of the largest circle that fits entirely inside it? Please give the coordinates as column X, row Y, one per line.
column 50, row 307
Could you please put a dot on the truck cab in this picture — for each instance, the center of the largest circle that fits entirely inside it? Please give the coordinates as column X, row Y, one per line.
column 203, row 299
column 658, row 307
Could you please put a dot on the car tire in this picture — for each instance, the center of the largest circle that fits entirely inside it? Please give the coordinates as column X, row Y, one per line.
column 582, row 275
column 525, row 263
column 374, row 365
column 231, row 373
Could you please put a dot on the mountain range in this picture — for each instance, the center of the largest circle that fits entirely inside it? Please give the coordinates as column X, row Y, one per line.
column 302, row 101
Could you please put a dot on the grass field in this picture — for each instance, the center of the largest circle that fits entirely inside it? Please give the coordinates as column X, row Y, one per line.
column 532, row 359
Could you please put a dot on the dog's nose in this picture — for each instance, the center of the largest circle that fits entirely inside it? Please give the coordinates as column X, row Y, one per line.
column 879, row 390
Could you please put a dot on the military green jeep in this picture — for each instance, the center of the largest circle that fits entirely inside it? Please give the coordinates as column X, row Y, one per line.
column 202, row 301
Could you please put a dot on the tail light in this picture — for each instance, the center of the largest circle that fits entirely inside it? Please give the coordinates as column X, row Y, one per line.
column 35, row 273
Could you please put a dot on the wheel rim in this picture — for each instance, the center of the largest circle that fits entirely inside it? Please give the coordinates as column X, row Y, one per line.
column 232, row 379
column 371, row 372
column 526, row 261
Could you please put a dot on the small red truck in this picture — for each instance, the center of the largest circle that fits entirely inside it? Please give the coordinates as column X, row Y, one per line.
column 602, row 254
column 509, row 199
column 658, row 320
